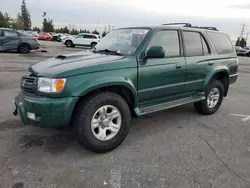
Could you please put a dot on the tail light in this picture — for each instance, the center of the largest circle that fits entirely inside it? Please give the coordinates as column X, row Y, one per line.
column 35, row 39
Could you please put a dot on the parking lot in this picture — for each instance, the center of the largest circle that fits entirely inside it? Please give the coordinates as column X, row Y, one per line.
column 176, row 148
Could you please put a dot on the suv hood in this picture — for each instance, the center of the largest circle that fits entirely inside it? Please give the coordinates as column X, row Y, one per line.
column 73, row 64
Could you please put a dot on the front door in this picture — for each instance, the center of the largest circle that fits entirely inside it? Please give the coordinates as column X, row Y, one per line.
column 162, row 78
column 79, row 39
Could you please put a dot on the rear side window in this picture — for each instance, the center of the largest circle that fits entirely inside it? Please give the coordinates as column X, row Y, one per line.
column 221, row 42
column 169, row 39
column 195, row 44
column 10, row 34
column 89, row 37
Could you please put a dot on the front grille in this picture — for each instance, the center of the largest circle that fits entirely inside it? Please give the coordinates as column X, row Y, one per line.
column 28, row 84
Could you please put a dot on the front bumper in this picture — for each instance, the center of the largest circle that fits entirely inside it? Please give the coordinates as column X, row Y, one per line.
column 49, row 112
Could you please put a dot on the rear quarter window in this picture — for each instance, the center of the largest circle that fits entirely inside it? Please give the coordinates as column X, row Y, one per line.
column 221, row 42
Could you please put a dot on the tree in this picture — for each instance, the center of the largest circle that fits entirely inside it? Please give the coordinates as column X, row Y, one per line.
column 24, row 17
column 84, row 31
column 237, row 42
column 243, row 43
column 104, row 33
column 74, row 32
column 65, row 30
column 5, row 20
column 36, row 29
column 16, row 25
column 95, row 32
column 48, row 25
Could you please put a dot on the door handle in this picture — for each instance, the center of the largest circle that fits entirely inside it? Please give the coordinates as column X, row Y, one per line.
column 178, row 66
column 210, row 63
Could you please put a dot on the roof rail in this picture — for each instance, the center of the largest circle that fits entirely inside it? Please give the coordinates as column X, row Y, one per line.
column 191, row 26
column 185, row 24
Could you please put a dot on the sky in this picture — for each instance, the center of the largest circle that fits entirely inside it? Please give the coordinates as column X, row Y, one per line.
column 227, row 15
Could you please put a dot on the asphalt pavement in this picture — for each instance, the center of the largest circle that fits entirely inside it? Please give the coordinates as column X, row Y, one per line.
column 176, row 148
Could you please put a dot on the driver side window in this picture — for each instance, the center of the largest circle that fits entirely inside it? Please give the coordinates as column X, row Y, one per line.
column 169, row 39
column 79, row 36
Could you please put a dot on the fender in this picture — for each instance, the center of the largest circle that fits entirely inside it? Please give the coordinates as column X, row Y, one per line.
column 211, row 74
column 91, row 85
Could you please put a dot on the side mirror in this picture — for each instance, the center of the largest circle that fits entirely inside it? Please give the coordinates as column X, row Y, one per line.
column 155, row 52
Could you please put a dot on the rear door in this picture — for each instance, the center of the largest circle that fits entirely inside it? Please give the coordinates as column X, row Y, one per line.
column 88, row 39
column 198, row 59
column 10, row 40
column 1, row 39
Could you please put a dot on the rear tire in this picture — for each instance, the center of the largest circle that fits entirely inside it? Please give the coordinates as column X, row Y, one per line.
column 109, row 131
column 214, row 97
column 24, row 48
column 69, row 43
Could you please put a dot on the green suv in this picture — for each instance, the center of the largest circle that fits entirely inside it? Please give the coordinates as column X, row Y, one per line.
column 131, row 72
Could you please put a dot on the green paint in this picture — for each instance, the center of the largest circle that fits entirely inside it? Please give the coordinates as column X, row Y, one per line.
column 152, row 81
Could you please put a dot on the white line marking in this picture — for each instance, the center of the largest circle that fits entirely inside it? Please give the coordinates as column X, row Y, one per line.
column 115, row 177
column 245, row 117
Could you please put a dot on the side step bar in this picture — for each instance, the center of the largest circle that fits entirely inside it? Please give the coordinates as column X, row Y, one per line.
column 167, row 105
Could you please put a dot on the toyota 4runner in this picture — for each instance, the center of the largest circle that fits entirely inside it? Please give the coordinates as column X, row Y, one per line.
column 131, row 72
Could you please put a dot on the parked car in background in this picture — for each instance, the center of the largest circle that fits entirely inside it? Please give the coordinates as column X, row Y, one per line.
column 32, row 33
column 240, row 51
column 15, row 40
column 44, row 36
column 82, row 39
column 64, row 36
column 56, row 37
column 247, row 51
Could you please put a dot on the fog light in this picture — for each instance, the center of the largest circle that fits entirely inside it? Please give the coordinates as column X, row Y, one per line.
column 31, row 115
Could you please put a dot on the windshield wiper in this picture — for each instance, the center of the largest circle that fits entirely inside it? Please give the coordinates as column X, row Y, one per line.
column 107, row 51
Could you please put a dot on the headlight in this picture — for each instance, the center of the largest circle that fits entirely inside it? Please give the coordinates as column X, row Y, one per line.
column 49, row 85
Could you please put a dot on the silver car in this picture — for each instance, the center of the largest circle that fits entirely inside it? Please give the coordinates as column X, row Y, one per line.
column 15, row 40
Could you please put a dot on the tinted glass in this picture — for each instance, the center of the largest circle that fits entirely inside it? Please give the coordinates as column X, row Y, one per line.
column 206, row 50
column 221, row 42
column 87, row 36
column 169, row 40
column 193, row 43
column 10, row 34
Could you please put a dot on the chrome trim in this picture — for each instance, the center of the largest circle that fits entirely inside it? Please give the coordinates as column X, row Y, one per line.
column 233, row 75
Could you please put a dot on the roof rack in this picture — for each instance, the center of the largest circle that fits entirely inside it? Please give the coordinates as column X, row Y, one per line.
column 190, row 25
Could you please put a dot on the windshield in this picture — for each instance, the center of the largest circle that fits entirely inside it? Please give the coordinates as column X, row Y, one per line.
column 123, row 41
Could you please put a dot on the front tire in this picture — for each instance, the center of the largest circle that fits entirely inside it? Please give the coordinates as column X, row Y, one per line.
column 214, row 97
column 93, row 44
column 69, row 43
column 102, row 121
